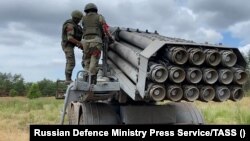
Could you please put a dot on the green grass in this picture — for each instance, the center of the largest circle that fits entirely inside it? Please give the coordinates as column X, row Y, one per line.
column 26, row 111
column 227, row 112
column 17, row 113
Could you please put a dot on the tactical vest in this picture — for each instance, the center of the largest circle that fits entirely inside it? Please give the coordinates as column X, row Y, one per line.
column 77, row 31
column 92, row 25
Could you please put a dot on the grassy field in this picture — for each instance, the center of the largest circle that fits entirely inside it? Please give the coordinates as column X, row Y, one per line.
column 16, row 114
column 227, row 112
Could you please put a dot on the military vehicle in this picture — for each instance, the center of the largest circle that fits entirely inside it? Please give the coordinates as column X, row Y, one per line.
column 153, row 79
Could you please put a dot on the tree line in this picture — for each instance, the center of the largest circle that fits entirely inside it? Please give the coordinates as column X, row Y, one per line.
column 14, row 85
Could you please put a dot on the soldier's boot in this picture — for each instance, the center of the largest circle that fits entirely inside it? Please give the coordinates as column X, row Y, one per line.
column 93, row 79
column 68, row 78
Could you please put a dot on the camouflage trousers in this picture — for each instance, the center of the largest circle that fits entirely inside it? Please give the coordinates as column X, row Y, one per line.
column 70, row 58
column 91, row 57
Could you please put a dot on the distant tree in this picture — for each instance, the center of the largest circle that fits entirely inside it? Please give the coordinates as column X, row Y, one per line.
column 47, row 87
column 34, row 91
column 18, row 84
column 9, row 81
column 5, row 83
column 13, row 93
column 247, row 58
column 1, row 84
column 27, row 87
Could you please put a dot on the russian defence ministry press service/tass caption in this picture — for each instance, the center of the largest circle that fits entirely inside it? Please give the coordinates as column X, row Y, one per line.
column 134, row 133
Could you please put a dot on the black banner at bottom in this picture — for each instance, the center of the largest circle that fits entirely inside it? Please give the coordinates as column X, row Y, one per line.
column 237, row 132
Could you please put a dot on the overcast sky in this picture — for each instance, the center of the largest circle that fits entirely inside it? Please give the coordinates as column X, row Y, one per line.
column 30, row 30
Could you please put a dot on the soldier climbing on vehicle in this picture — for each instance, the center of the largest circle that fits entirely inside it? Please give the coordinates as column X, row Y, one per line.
column 95, row 29
column 71, row 37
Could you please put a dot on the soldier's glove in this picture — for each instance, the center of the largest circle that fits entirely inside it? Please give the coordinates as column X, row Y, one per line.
column 79, row 45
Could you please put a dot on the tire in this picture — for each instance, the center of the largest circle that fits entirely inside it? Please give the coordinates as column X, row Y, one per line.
column 73, row 113
column 186, row 113
column 97, row 114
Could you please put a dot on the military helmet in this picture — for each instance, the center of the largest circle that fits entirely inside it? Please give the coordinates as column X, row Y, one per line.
column 90, row 6
column 76, row 14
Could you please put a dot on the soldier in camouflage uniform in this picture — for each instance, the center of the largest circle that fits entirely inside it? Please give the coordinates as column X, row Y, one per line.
column 94, row 29
column 71, row 36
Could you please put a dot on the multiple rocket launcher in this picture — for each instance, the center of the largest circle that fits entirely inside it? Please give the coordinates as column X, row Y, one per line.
column 175, row 69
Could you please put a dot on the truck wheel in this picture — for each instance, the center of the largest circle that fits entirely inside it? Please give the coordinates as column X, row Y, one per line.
column 73, row 113
column 186, row 113
column 70, row 114
column 97, row 114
